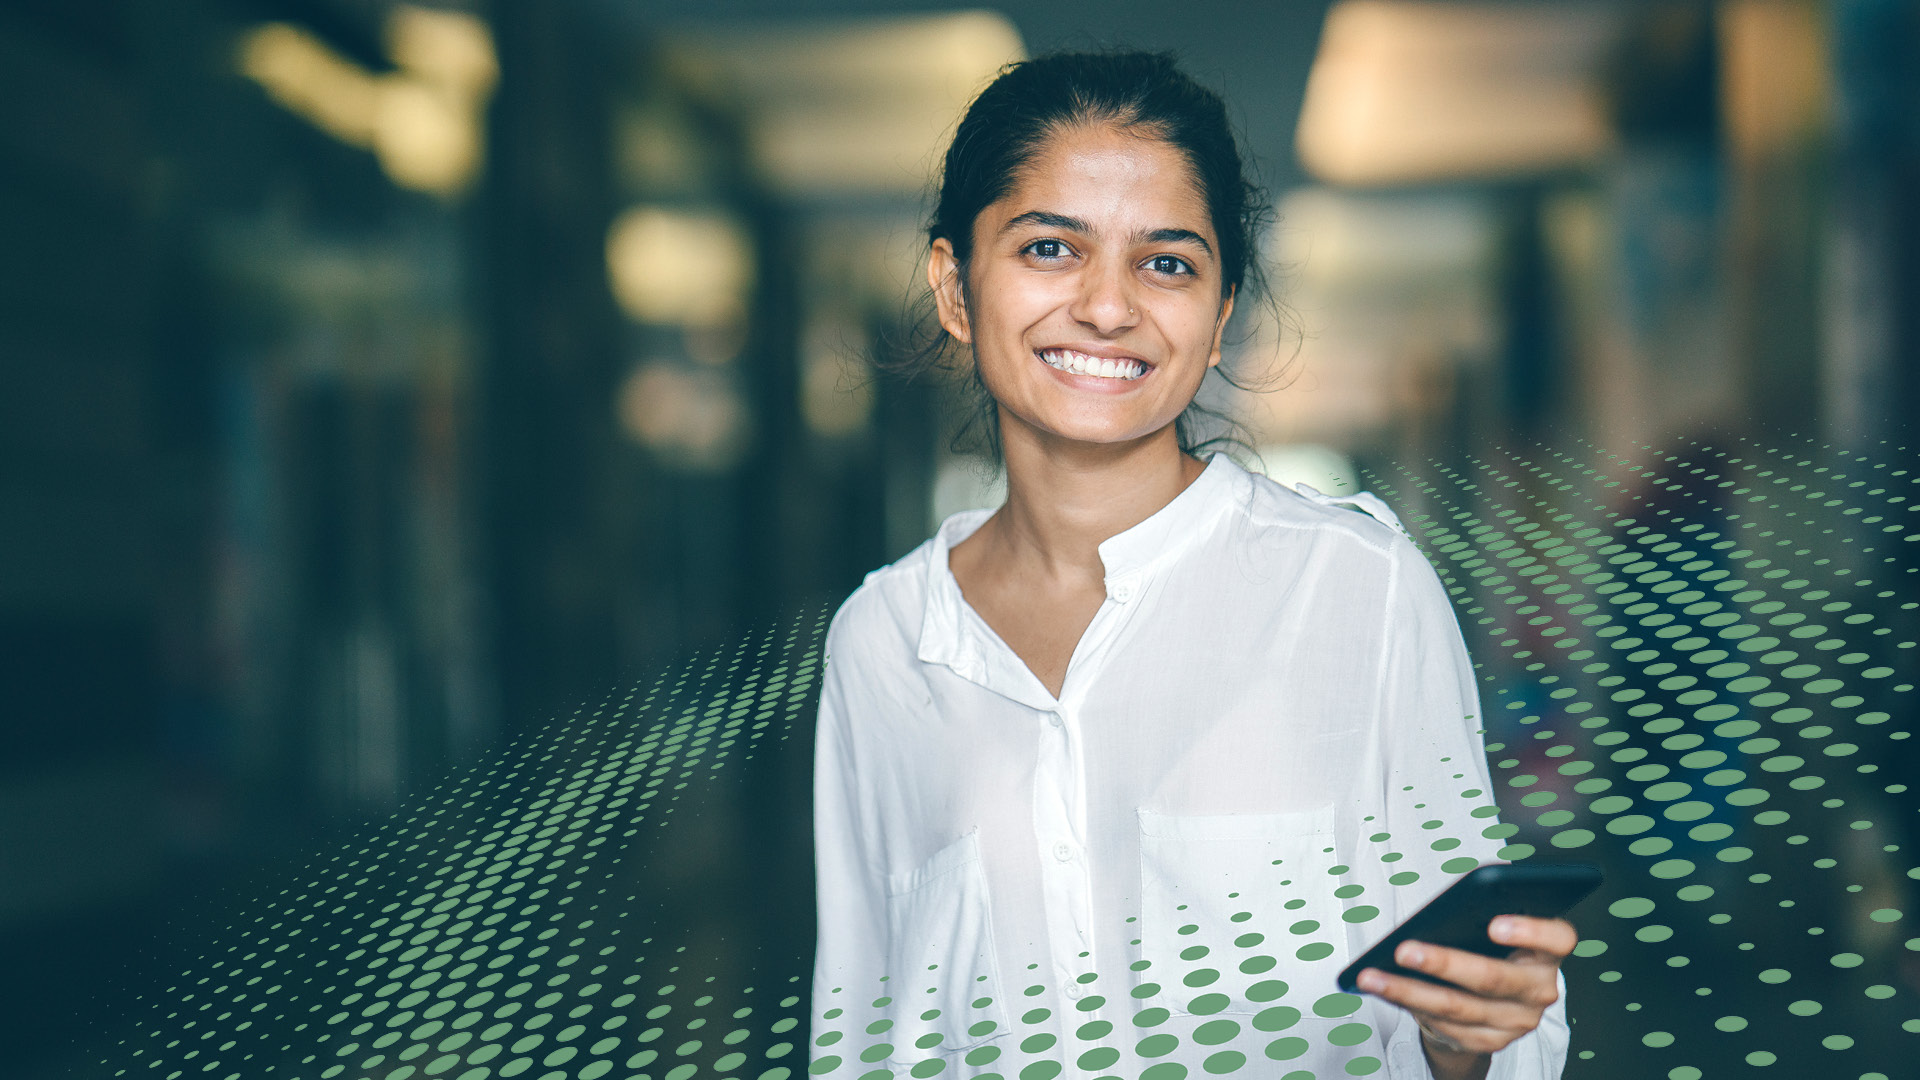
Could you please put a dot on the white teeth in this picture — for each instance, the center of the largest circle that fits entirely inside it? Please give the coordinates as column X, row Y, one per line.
column 1081, row 364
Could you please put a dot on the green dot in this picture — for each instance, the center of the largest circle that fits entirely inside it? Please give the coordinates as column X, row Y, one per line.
column 1657, row 1039
column 1362, row 1066
column 1225, row 1061
column 1683, row 1072
column 1206, row 1004
column 1215, row 1032
column 1041, row 1070
column 1731, row 1023
column 1847, row 960
column 1775, row 975
column 1761, row 1057
column 1631, row 907
column 1804, row 1007
column 1278, row 1018
column 1159, row 1045
column 1098, row 1058
column 1885, row 915
column 1266, row 990
column 1335, row 1005
column 1349, row 1034
column 1650, row 845
column 1292, row 1047
column 1572, row 838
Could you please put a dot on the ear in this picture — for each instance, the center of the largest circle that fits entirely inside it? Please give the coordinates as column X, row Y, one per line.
column 949, row 297
column 1220, row 327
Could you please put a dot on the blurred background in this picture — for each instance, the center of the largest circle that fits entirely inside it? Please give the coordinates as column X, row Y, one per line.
column 379, row 379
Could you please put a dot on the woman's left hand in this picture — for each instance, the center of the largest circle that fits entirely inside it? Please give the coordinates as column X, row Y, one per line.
column 1496, row 1002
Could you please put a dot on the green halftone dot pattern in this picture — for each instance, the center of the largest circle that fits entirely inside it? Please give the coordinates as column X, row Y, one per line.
column 473, row 935
column 1696, row 713
column 1728, row 647
column 1712, row 680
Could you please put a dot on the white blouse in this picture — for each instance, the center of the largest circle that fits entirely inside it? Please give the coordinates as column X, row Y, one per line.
column 1265, row 755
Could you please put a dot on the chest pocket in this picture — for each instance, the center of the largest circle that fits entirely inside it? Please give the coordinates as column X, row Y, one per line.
column 945, row 975
column 1232, row 901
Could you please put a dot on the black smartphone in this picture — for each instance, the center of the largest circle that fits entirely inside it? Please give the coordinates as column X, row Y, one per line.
column 1458, row 917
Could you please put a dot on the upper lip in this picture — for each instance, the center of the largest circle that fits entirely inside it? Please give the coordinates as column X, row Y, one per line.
column 1104, row 352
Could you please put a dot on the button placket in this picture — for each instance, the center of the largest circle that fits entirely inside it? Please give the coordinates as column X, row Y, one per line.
column 1060, row 828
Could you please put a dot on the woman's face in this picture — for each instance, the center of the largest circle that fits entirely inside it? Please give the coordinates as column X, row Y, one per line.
column 1095, row 301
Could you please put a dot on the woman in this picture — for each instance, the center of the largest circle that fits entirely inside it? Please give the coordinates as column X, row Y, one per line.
column 1121, row 775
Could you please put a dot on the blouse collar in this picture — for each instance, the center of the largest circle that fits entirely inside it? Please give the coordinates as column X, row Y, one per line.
column 952, row 634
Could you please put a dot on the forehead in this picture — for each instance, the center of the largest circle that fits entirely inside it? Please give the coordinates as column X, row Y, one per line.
column 1109, row 176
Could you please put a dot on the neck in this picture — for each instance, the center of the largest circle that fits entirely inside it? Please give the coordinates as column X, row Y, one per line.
column 1064, row 498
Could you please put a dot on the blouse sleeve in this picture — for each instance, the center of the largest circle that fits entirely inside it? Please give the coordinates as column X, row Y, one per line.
column 1436, row 787
column 851, row 944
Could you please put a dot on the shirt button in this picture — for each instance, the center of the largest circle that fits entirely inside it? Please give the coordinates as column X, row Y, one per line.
column 1074, row 990
column 1123, row 592
column 1063, row 851
column 1054, row 718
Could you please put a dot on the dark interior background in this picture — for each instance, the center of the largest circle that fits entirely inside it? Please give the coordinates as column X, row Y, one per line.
column 341, row 445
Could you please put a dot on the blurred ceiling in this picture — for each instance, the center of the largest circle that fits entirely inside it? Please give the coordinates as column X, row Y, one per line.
column 839, row 107
column 1411, row 91
column 1257, row 55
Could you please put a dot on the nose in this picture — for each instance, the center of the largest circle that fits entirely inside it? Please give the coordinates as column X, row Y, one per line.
column 1106, row 303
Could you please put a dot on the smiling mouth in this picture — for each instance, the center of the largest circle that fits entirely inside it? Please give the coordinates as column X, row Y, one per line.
column 1079, row 363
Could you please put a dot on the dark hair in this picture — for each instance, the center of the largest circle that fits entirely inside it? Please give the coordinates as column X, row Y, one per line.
column 1033, row 100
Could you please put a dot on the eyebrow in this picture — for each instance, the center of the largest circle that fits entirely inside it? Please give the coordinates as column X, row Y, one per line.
column 1051, row 220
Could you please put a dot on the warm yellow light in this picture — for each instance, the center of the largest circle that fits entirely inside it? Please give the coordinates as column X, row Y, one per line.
column 679, row 267
column 449, row 49
column 1404, row 91
column 425, row 138
column 300, row 72
column 1773, row 73
column 423, row 122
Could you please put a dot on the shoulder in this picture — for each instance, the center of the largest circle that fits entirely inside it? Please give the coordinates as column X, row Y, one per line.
column 1360, row 521
column 886, row 610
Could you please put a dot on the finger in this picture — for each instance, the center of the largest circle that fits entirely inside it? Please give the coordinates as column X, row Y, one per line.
column 1446, row 1003
column 1516, row 980
column 1554, row 938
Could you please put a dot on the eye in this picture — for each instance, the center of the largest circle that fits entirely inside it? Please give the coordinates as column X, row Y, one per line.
column 1169, row 264
column 1045, row 249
